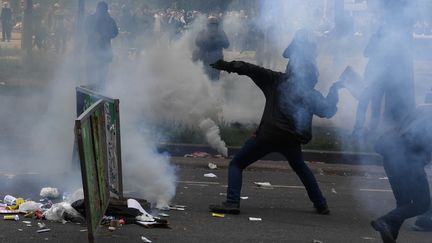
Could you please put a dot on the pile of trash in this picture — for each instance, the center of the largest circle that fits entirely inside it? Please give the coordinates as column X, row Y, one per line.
column 127, row 211
column 46, row 208
column 56, row 207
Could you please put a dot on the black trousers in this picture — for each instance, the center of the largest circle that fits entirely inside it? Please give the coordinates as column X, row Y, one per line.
column 405, row 169
column 254, row 150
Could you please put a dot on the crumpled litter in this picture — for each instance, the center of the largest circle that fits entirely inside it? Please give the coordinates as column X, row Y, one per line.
column 144, row 217
column 212, row 166
column 255, row 219
column 62, row 211
column 198, row 154
column 49, row 192
column 210, row 175
column 29, row 206
column 265, row 185
column 144, row 239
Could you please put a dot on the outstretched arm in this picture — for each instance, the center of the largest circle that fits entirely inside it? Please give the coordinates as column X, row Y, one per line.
column 259, row 75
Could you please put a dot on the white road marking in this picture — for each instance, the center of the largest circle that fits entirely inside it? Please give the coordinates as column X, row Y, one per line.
column 199, row 182
column 375, row 190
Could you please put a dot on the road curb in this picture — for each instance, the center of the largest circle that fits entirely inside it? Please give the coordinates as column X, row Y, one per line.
column 329, row 157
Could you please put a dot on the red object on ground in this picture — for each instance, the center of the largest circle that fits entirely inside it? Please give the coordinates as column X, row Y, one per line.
column 38, row 214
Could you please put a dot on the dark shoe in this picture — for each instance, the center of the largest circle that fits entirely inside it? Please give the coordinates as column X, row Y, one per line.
column 423, row 224
column 384, row 229
column 323, row 209
column 421, row 228
column 226, row 207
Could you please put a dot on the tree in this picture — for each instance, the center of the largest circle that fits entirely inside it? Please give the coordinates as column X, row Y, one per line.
column 27, row 35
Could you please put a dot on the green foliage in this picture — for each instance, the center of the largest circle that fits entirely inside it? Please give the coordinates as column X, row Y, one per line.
column 235, row 134
column 13, row 68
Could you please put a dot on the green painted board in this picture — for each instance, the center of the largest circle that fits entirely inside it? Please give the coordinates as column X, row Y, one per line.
column 90, row 137
column 85, row 98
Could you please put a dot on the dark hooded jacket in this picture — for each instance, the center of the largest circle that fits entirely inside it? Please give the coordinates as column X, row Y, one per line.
column 211, row 44
column 100, row 29
column 411, row 138
column 290, row 105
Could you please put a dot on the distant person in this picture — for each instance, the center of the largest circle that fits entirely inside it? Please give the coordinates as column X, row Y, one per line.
column 375, row 77
column 210, row 43
column 6, row 21
column 399, row 62
column 39, row 31
column 406, row 150
column 101, row 28
column 286, row 124
column 59, row 29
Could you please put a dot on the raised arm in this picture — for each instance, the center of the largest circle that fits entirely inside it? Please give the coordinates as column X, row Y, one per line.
column 261, row 76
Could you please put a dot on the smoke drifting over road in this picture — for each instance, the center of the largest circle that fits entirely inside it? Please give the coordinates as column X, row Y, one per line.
column 161, row 83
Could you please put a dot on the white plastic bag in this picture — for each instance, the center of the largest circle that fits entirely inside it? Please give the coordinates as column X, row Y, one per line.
column 29, row 206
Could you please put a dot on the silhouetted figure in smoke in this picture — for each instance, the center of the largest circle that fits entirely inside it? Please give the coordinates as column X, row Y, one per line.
column 424, row 221
column 100, row 29
column 301, row 51
column 6, row 21
column 405, row 150
column 59, row 28
column 39, row 30
column 375, row 77
column 398, row 63
column 286, row 124
column 211, row 42
column 342, row 34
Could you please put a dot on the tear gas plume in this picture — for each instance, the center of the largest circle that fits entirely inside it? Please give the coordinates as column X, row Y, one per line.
column 162, row 84
column 212, row 134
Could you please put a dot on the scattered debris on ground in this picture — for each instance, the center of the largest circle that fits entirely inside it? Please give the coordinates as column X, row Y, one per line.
column 49, row 192
column 71, row 208
column 144, row 239
column 218, row 215
column 255, row 219
column 202, row 155
column 210, row 175
column 264, row 185
column 212, row 166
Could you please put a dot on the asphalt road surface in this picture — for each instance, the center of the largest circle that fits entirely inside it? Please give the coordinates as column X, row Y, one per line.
column 355, row 195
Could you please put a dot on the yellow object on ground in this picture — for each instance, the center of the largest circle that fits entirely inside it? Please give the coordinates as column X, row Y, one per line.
column 218, row 215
